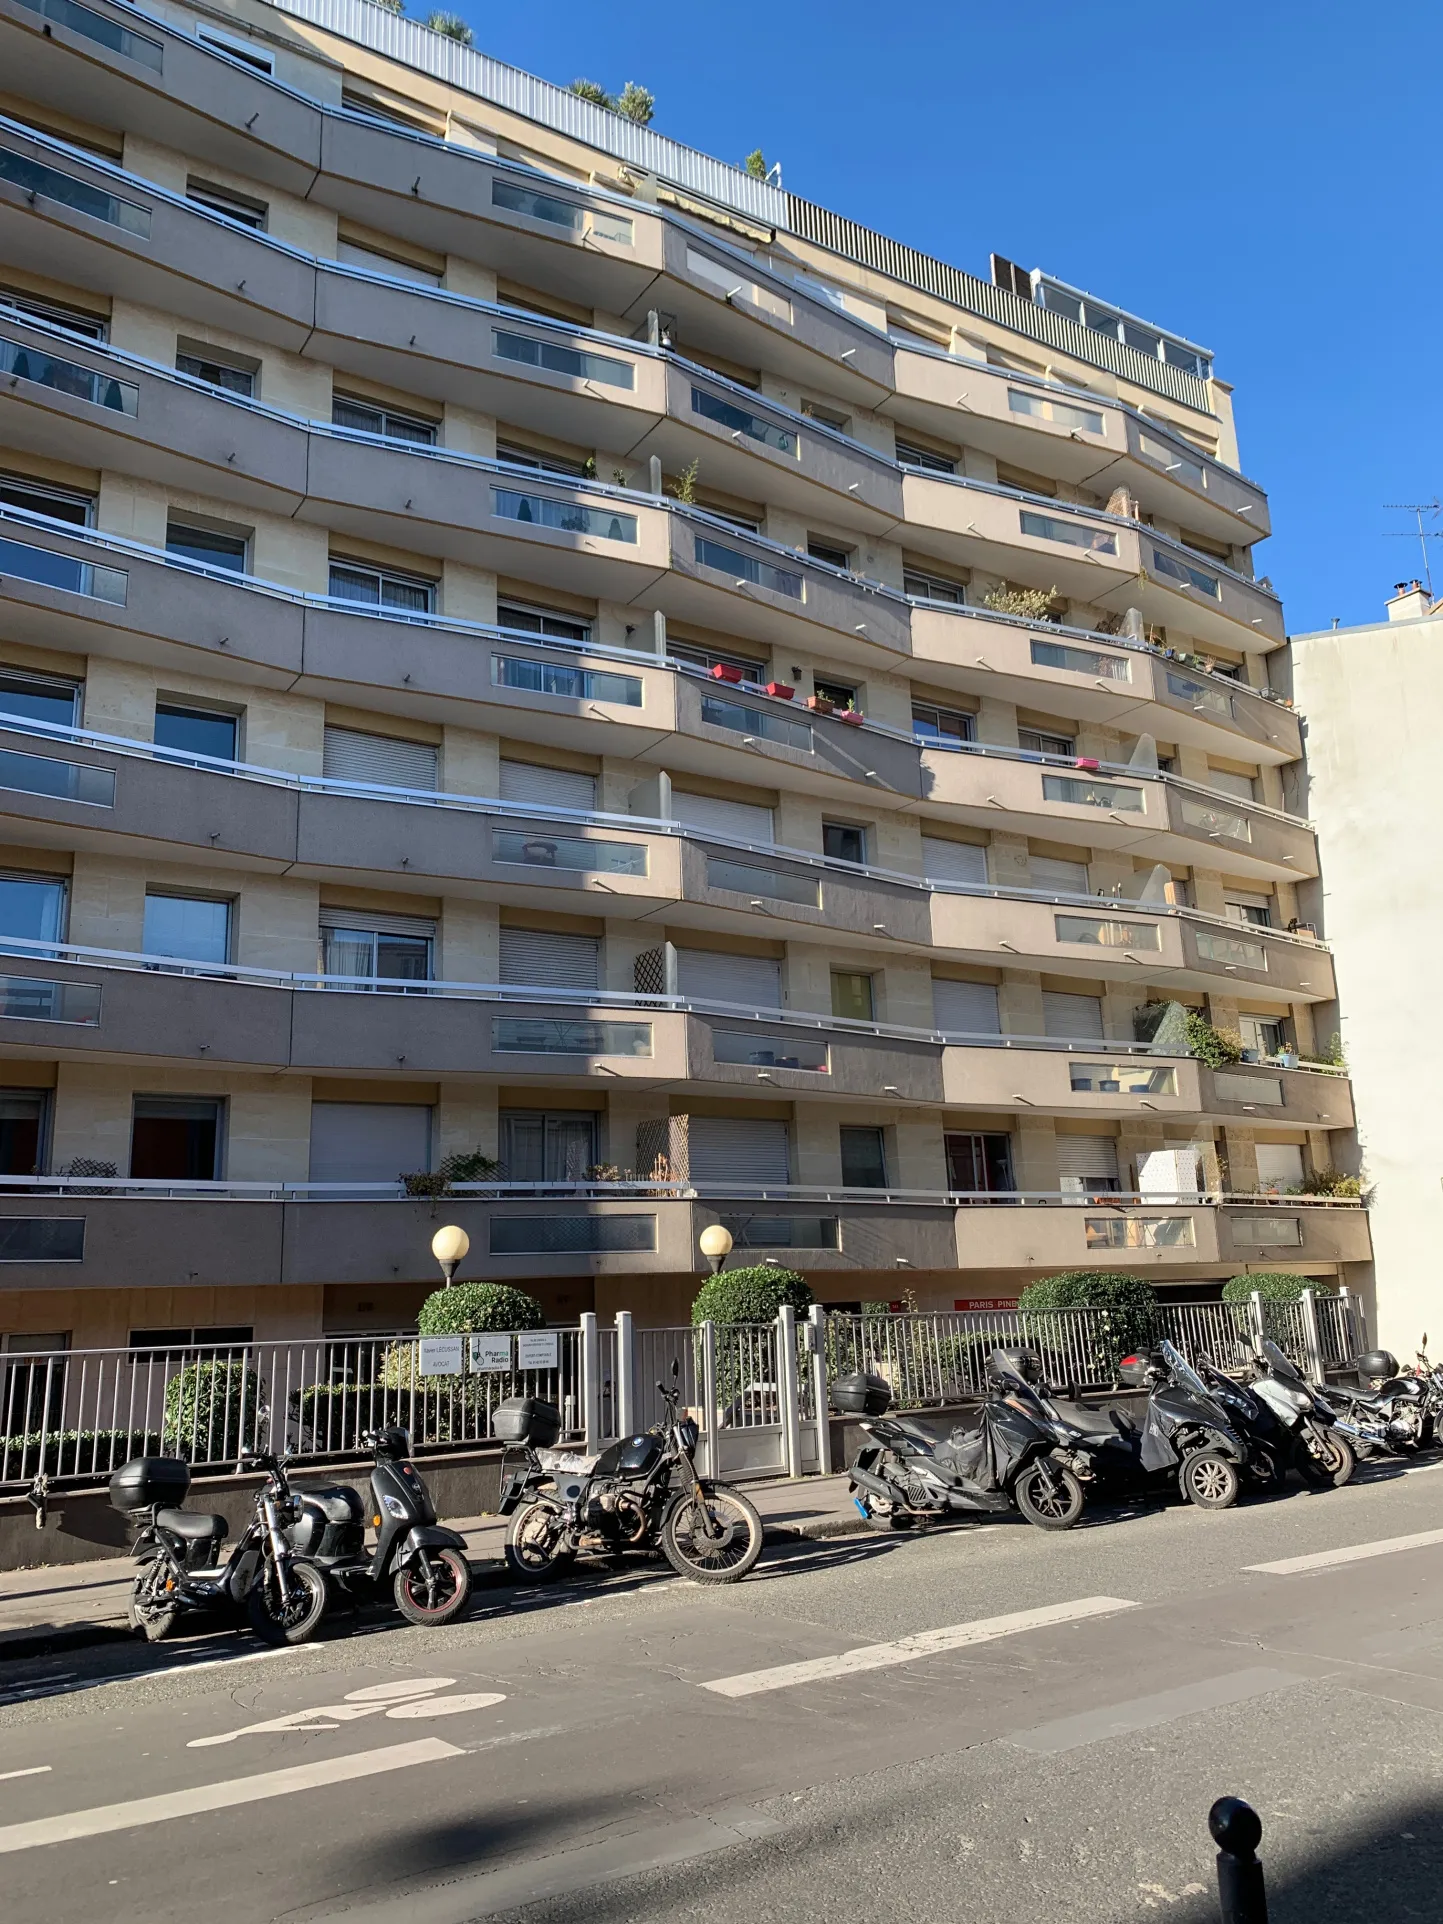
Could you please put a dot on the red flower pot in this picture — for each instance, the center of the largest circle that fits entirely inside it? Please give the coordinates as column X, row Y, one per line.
column 853, row 717
column 819, row 705
column 1087, row 762
column 720, row 672
column 781, row 689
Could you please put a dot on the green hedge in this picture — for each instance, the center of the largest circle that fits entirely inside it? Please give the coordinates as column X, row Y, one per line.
column 77, row 1452
column 212, row 1410
column 467, row 1308
column 751, row 1295
column 1127, row 1319
column 1273, row 1285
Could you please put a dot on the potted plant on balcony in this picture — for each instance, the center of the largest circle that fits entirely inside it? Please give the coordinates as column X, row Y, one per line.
column 782, row 690
column 852, row 715
column 821, row 705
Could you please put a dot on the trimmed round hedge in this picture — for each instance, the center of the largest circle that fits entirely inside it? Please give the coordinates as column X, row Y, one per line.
column 1128, row 1316
column 751, row 1295
column 468, row 1308
column 1273, row 1285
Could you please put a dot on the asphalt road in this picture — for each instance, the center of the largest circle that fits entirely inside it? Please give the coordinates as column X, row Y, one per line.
column 637, row 1748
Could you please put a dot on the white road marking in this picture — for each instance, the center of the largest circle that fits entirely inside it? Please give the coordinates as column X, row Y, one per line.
column 408, row 1699
column 1355, row 1553
column 35, row 1770
column 448, row 1706
column 97, row 1822
column 926, row 1643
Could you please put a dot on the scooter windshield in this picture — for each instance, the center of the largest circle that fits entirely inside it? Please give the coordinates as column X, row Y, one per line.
column 1183, row 1373
column 1279, row 1364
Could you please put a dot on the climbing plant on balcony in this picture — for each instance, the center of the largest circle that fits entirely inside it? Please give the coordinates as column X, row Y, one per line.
column 1216, row 1047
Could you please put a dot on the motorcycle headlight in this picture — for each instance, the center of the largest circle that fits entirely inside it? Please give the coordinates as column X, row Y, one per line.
column 394, row 1507
column 690, row 1434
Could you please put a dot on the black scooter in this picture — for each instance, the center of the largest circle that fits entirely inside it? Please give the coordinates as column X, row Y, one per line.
column 423, row 1562
column 1186, row 1431
column 904, row 1478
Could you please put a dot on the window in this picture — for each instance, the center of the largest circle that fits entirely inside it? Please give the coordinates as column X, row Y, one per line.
column 829, row 417
column 542, row 959
column 702, row 657
column 166, row 1345
column 946, row 726
column 228, row 204
column 537, row 785
column 1061, row 877
column 375, row 948
column 1264, row 1035
column 218, row 369
column 547, row 1145
column 542, row 621
column 1072, row 534
column 372, row 587
column 68, row 378
column 368, row 1142
column 206, row 546
column 1087, row 1165
column 965, row 1009
column 32, row 1391
column 1062, row 414
column 1071, row 1018
column 1091, row 794
column 553, row 357
column 175, row 1139
column 841, row 842
column 864, row 1158
column 541, row 462
column 714, row 815
column 75, row 320
column 372, row 417
column 842, row 693
column 394, row 267
column 1254, row 909
column 191, row 927
column 925, row 459
column 380, row 761
column 1232, row 783
column 45, row 698
column 852, row 995
column 36, row 497
column 569, row 517
column 979, row 1162
column 820, row 549
column 32, row 909
column 1280, row 1166
column 22, row 1124
column 105, row 33
column 195, row 731
column 929, row 587
column 948, row 861
column 1037, row 741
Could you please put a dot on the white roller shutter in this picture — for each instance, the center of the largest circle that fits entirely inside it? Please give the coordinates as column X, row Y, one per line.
column 1280, row 1165
column 1071, row 1018
column 738, row 821
column 944, row 861
column 532, row 784
column 368, row 1141
column 1065, row 878
column 547, row 959
column 350, row 756
column 753, row 981
column 965, row 1008
column 737, row 1149
column 1240, row 785
column 1086, row 1158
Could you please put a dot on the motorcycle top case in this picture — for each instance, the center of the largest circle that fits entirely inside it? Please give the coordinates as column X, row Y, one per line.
column 526, row 1419
column 148, row 1480
column 862, row 1395
column 1132, row 1371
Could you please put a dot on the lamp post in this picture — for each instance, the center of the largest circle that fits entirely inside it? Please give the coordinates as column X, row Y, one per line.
column 715, row 1243
column 449, row 1246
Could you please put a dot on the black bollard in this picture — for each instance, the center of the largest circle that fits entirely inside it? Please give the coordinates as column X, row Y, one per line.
column 1237, row 1830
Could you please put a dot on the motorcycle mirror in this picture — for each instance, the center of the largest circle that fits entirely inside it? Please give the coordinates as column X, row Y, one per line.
column 675, row 1369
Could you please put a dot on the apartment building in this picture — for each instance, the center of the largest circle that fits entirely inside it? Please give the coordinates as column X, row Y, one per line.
column 521, row 642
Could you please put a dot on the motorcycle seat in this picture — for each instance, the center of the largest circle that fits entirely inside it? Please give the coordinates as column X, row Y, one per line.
column 192, row 1525
column 1091, row 1422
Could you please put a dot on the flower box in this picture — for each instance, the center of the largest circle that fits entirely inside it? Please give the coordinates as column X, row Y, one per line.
column 853, row 717
column 819, row 705
column 781, row 689
column 721, row 672
column 1089, row 763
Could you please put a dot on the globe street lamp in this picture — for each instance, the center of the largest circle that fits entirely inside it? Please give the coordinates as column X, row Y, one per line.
column 715, row 1244
column 449, row 1246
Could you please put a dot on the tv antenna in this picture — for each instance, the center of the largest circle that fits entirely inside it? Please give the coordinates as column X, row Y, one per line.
column 1424, row 535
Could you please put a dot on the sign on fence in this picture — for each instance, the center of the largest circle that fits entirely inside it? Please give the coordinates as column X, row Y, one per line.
column 490, row 1352
column 537, row 1349
column 441, row 1355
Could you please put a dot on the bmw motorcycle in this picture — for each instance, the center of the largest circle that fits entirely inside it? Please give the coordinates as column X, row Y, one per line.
column 904, row 1479
column 641, row 1493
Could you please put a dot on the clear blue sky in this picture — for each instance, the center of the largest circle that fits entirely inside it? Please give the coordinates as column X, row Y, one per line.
column 1261, row 177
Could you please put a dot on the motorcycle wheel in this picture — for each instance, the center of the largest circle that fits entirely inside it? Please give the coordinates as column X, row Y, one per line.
column 434, row 1587
column 1049, row 1508
column 1333, row 1469
column 152, row 1621
column 1209, row 1480
column 293, row 1619
column 715, row 1541
column 536, row 1550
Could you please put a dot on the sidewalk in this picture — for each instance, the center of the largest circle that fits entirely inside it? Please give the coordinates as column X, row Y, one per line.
column 67, row 1606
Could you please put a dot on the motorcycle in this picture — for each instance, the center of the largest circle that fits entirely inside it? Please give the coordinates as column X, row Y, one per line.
column 281, row 1591
column 1322, row 1456
column 1388, row 1414
column 423, row 1563
column 641, row 1493
column 1186, row 1429
column 904, row 1478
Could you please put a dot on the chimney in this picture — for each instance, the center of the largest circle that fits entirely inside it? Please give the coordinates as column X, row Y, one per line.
column 1409, row 602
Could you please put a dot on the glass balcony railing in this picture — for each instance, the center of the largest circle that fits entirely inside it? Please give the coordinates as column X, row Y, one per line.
column 67, row 377
column 557, row 358
column 1073, row 534
column 1231, row 951
column 770, row 1052
column 728, row 415
column 105, row 33
column 1090, row 794
column 48, row 183
column 1062, row 414
column 1172, row 460
column 63, row 781
column 570, row 517
column 784, row 1232
column 765, row 884
column 745, row 567
column 561, row 213
column 1140, row 1232
column 1211, row 701
column 565, row 682
column 35, row 999
column 544, row 1036
column 1121, row 1079
column 1081, row 661
column 1172, row 568
column 1217, row 822
column 756, row 722
column 1266, row 1232
column 1107, row 932
column 534, row 848
column 557, row 1235
column 50, row 570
